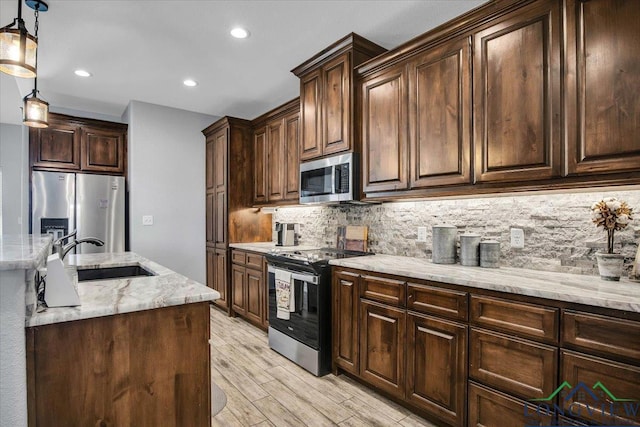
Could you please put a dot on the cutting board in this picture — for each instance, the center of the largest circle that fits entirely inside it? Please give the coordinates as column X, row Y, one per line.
column 352, row 237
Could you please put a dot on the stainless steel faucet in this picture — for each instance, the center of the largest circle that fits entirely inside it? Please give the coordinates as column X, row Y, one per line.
column 66, row 248
column 59, row 243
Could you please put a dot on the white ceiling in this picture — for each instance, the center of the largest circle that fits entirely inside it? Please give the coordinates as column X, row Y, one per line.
column 143, row 50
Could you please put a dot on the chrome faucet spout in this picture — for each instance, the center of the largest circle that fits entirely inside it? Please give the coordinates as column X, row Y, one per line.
column 69, row 246
column 59, row 243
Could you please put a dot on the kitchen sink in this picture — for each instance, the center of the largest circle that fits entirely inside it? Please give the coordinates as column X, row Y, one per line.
column 113, row 273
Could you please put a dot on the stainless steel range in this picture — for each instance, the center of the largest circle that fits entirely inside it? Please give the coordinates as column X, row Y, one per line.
column 300, row 305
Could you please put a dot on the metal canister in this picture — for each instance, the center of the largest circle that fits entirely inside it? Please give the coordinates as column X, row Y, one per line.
column 444, row 244
column 490, row 254
column 470, row 249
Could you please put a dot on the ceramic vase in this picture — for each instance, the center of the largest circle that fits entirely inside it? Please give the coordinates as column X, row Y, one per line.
column 610, row 266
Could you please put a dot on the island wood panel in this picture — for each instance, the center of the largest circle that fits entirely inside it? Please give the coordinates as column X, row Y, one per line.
column 517, row 95
column 311, row 113
column 384, row 144
column 260, row 165
column 437, row 367
column 145, row 368
column 382, row 346
column 336, row 104
column 292, row 156
column 602, row 80
column 103, row 150
column 57, row 146
column 276, row 161
column 345, row 321
column 440, row 115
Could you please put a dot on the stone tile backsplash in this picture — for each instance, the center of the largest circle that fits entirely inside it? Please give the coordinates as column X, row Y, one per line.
column 559, row 234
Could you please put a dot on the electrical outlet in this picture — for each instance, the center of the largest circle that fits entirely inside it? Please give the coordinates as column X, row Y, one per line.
column 147, row 220
column 422, row 234
column 517, row 238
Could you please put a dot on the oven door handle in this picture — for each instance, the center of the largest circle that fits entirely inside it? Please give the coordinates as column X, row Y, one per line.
column 310, row 278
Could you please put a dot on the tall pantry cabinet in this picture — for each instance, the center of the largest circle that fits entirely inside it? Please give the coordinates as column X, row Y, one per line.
column 230, row 217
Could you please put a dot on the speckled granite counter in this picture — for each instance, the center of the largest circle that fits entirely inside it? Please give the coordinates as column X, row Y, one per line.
column 23, row 252
column 268, row 247
column 124, row 295
column 589, row 290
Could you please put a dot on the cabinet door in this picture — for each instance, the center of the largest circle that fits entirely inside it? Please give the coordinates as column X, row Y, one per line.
column 336, row 103
column 102, row 150
column 209, row 218
column 384, row 145
column 260, row 166
column 603, row 86
column 517, row 95
column 311, row 112
column 209, row 164
column 254, row 301
column 238, row 289
column 600, row 383
column 345, row 321
column 220, row 185
column 437, row 367
column 292, row 153
column 440, row 116
column 382, row 344
column 57, row 146
column 275, row 160
column 220, row 277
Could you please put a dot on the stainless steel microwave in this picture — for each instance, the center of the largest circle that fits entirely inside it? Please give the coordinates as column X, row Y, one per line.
column 329, row 180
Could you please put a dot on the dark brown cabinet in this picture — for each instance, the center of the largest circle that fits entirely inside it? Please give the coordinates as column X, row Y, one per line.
column 382, row 345
column 78, row 144
column 276, row 155
column 248, row 286
column 146, row 368
column 327, row 96
column 602, row 94
column 229, row 194
column 384, row 146
column 345, row 321
column 517, row 95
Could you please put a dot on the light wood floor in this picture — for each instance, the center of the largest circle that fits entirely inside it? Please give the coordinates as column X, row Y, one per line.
column 266, row 389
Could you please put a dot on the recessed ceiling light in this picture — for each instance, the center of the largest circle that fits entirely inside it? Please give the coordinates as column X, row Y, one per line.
column 82, row 73
column 240, row 33
column 190, row 83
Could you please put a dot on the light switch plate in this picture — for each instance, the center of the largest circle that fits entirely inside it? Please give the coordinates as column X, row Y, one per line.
column 422, row 234
column 147, row 220
column 517, row 238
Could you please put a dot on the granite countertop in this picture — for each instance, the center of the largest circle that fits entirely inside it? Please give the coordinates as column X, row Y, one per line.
column 112, row 296
column 23, row 251
column 268, row 247
column 574, row 288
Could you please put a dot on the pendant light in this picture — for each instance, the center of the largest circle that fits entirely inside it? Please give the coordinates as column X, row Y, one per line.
column 35, row 112
column 17, row 46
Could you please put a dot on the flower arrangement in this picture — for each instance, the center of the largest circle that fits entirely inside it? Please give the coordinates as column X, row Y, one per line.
column 611, row 214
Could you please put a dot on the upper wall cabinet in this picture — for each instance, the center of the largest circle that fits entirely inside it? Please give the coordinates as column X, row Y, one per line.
column 327, row 96
column 78, row 144
column 602, row 86
column 276, row 148
column 517, row 95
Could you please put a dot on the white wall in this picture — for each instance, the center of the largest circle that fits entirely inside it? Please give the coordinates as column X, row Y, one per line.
column 14, row 163
column 167, row 180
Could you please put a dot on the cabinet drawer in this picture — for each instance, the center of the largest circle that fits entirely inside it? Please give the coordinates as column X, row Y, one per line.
column 254, row 261
column 517, row 366
column 383, row 290
column 606, row 384
column 491, row 408
column 616, row 337
column 528, row 320
column 238, row 257
column 438, row 301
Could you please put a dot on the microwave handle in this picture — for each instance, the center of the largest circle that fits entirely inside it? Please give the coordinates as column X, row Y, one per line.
column 333, row 180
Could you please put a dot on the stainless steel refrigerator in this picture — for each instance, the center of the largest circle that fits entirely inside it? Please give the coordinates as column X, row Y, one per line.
column 94, row 205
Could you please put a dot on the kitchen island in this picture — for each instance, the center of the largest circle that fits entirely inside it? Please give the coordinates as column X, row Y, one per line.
column 135, row 352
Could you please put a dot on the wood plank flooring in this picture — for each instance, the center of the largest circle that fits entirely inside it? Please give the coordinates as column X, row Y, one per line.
column 265, row 389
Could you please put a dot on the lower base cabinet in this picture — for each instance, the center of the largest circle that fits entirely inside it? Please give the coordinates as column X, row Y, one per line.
column 146, row 368
column 248, row 287
column 217, row 275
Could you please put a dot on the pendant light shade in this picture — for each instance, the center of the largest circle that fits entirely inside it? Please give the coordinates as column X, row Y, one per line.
column 17, row 47
column 35, row 112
